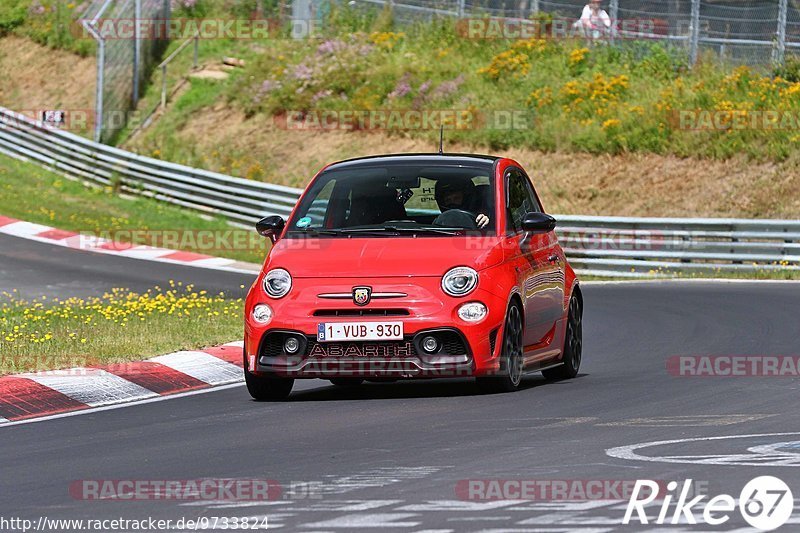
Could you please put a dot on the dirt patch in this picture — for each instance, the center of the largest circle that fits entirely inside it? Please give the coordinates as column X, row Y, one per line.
column 630, row 184
column 37, row 78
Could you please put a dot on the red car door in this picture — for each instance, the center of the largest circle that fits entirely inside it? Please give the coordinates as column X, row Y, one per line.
column 539, row 267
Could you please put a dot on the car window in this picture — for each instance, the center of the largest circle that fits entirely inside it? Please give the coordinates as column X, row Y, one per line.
column 521, row 199
column 422, row 198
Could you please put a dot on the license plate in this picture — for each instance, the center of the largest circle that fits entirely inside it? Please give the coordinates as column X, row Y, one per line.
column 359, row 331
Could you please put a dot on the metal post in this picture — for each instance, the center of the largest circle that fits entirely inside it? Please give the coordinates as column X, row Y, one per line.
column 614, row 15
column 196, row 50
column 694, row 32
column 535, row 7
column 779, row 52
column 164, row 86
column 137, row 49
column 461, row 6
column 98, row 99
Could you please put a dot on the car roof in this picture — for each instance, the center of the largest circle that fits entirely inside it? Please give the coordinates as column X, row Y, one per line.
column 416, row 159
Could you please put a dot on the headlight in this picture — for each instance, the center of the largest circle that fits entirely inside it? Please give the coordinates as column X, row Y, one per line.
column 277, row 283
column 472, row 312
column 262, row 313
column 459, row 281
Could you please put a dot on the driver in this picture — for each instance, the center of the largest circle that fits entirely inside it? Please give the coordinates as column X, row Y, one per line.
column 459, row 193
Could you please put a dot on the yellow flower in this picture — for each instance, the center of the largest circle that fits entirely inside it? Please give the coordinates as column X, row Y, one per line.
column 578, row 56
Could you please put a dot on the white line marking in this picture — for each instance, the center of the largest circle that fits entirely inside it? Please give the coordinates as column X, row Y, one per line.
column 686, row 280
column 96, row 388
column 144, row 252
column 629, row 453
column 29, row 231
column 239, row 344
column 121, row 405
column 370, row 520
column 24, row 229
column 202, row 366
column 457, row 505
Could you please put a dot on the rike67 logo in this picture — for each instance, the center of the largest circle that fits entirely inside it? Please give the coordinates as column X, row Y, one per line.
column 765, row 503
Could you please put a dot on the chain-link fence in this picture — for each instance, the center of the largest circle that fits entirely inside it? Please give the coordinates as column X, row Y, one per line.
column 754, row 32
column 125, row 57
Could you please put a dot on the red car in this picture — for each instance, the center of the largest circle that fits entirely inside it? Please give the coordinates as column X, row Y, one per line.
column 413, row 266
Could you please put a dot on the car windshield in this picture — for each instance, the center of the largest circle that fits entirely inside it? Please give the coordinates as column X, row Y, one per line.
column 398, row 200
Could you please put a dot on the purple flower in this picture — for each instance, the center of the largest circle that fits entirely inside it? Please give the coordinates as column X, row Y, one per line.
column 424, row 87
column 302, row 72
column 330, row 46
column 320, row 95
column 269, row 85
column 448, row 88
column 402, row 88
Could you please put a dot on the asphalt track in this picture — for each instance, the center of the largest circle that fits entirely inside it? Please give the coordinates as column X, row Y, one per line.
column 38, row 269
column 390, row 456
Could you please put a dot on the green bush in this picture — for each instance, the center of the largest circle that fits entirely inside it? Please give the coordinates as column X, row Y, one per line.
column 12, row 15
column 790, row 70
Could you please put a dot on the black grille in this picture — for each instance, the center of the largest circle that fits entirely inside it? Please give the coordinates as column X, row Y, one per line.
column 272, row 343
column 452, row 344
column 361, row 312
column 493, row 339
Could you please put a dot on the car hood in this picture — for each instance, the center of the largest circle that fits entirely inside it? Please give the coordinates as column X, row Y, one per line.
column 383, row 257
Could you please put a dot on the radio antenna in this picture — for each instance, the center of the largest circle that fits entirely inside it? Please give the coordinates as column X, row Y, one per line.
column 441, row 139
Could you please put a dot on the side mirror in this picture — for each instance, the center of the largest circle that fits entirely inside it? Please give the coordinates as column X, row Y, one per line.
column 538, row 222
column 270, row 227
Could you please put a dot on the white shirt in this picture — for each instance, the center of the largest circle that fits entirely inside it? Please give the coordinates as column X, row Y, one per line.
column 591, row 21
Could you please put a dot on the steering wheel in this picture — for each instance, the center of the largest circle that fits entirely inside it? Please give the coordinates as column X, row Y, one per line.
column 458, row 218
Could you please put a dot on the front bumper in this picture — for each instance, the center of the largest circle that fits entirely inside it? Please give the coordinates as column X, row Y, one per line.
column 402, row 358
column 471, row 349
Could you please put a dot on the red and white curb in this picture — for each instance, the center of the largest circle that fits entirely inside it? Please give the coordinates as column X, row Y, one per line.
column 76, row 241
column 44, row 394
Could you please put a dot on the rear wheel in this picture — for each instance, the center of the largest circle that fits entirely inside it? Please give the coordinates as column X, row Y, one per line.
column 511, row 358
column 347, row 382
column 263, row 388
column 573, row 344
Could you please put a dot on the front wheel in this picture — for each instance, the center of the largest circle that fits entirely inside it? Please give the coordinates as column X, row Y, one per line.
column 573, row 345
column 263, row 388
column 511, row 358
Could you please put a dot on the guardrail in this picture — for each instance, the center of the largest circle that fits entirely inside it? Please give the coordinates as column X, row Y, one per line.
column 237, row 199
column 607, row 246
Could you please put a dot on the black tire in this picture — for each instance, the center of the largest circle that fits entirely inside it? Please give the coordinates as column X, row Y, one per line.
column 573, row 344
column 347, row 382
column 512, row 357
column 263, row 388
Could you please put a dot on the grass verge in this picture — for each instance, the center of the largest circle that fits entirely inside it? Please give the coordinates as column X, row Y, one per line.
column 47, row 334
column 30, row 193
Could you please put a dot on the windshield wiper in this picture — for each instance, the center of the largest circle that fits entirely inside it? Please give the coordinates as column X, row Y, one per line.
column 427, row 229
column 385, row 230
column 315, row 231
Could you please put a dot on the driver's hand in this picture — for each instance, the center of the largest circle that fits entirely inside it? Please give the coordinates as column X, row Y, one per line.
column 482, row 221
